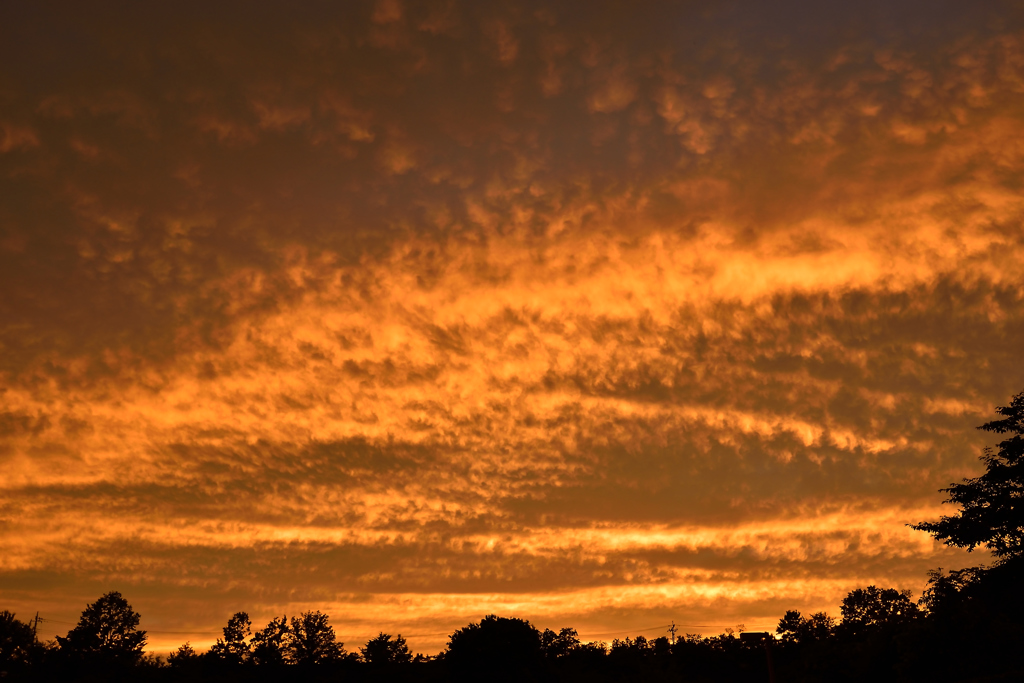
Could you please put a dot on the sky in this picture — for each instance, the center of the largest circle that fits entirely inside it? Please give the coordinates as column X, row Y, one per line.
column 598, row 314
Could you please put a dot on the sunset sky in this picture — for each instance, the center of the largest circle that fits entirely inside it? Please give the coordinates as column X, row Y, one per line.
column 598, row 314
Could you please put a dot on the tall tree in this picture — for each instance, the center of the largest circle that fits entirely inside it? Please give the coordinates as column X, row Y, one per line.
column 108, row 631
column 232, row 647
column 16, row 641
column 269, row 645
column 312, row 639
column 992, row 505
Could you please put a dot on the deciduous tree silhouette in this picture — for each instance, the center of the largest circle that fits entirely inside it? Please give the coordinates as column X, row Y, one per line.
column 946, row 591
column 184, row 656
column 992, row 505
column 233, row 648
column 107, row 632
column 866, row 608
column 496, row 648
column 312, row 640
column 556, row 645
column 385, row 650
column 270, row 644
column 795, row 628
column 16, row 642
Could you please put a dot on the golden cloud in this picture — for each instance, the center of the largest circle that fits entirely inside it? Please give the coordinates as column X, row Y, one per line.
column 435, row 311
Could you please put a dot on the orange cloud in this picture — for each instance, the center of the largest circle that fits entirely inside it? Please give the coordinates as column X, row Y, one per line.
column 417, row 312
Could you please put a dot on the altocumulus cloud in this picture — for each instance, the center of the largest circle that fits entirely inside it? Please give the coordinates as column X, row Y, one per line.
column 418, row 311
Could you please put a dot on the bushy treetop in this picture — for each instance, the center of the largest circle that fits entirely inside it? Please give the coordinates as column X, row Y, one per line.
column 992, row 505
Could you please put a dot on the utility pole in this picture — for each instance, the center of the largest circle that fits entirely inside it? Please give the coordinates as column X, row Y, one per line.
column 35, row 627
column 672, row 630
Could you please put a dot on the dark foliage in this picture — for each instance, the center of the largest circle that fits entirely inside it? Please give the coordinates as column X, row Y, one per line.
column 184, row 657
column 796, row 629
column 964, row 630
column 554, row 645
column 233, row 648
column 992, row 505
column 270, row 644
column 106, row 635
column 497, row 648
column 18, row 645
column 385, row 650
column 868, row 609
column 312, row 640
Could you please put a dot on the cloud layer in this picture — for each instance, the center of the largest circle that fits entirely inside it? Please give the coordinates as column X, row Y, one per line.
column 420, row 311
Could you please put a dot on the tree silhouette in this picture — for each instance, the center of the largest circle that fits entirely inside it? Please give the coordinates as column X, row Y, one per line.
column 232, row 648
column 866, row 608
column 107, row 631
column 497, row 647
column 385, row 650
column 946, row 591
column 184, row 656
column 795, row 628
column 270, row 644
column 312, row 639
column 555, row 645
column 16, row 641
column 992, row 505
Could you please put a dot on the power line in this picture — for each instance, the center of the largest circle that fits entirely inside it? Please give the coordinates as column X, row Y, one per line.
column 404, row 635
column 217, row 633
column 147, row 630
column 670, row 627
column 628, row 630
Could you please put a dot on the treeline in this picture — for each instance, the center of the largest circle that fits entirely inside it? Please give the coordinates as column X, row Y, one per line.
column 967, row 626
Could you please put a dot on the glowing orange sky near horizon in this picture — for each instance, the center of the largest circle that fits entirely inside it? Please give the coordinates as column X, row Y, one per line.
column 414, row 312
